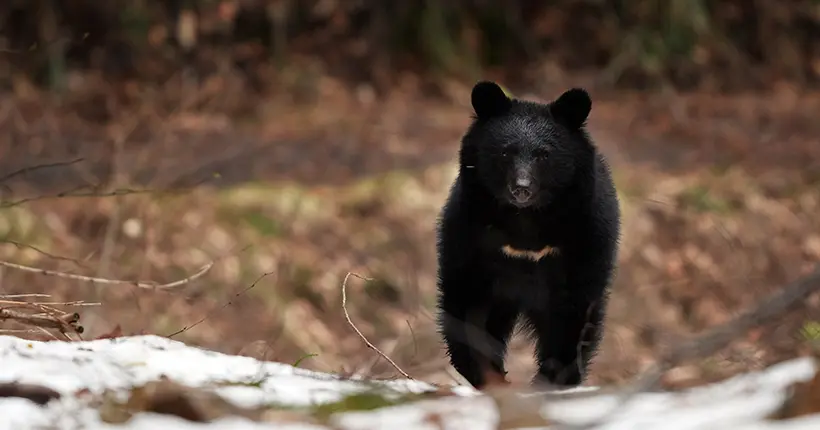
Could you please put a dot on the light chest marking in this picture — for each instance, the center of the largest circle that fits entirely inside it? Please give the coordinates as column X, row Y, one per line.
column 533, row 256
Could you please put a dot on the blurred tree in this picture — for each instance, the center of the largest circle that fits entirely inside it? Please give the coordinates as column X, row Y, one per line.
column 721, row 43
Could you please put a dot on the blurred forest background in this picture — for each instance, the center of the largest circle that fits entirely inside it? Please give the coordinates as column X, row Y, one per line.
column 305, row 139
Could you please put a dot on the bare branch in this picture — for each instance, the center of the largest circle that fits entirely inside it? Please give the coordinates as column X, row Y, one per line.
column 40, row 251
column 350, row 322
column 35, row 320
column 96, row 280
column 36, row 167
column 22, row 331
column 76, row 192
column 41, row 317
column 22, row 296
column 44, row 305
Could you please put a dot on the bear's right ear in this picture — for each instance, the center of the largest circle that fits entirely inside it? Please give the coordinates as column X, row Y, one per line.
column 489, row 99
column 572, row 108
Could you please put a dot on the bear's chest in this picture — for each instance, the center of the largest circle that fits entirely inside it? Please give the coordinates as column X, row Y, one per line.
column 526, row 263
column 524, row 237
column 527, row 280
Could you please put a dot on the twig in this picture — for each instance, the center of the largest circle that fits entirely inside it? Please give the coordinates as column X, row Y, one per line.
column 350, row 322
column 35, row 320
column 110, row 236
column 63, row 323
column 40, row 251
column 42, row 315
column 75, row 192
column 35, row 167
column 413, row 336
column 74, row 303
column 44, row 305
column 96, row 280
column 47, row 333
column 224, row 305
column 21, row 296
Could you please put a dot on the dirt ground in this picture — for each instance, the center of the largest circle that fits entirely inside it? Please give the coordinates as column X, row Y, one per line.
column 720, row 197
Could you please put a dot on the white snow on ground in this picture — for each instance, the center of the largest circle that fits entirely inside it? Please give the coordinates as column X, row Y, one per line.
column 123, row 363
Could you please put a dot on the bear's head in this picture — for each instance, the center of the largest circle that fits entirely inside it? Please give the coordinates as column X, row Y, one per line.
column 523, row 152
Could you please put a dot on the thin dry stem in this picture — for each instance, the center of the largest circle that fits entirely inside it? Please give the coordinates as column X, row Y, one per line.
column 110, row 237
column 75, row 192
column 42, row 316
column 350, row 322
column 104, row 281
column 23, row 296
column 50, row 334
column 40, row 251
column 44, row 305
column 34, row 320
column 36, row 167
column 78, row 192
column 226, row 304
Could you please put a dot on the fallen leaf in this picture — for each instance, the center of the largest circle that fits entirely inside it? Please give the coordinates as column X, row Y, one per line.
column 114, row 333
column 804, row 400
column 36, row 393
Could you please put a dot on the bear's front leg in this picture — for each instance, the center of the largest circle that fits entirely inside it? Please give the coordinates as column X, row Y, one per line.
column 567, row 334
column 569, row 330
column 475, row 333
column 456, row 320
column 475, row 327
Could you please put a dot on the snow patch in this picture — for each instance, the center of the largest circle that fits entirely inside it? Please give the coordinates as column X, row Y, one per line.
column 118, row 365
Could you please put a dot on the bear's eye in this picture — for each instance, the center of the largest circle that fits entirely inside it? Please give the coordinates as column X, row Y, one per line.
column 540, row 153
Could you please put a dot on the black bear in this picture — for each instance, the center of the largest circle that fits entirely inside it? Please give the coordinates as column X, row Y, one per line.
column 530, row 229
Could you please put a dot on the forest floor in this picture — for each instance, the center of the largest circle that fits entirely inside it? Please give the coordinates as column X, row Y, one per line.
column 720, row 197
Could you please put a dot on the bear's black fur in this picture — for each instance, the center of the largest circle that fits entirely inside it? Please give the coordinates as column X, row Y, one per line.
column 530, row 228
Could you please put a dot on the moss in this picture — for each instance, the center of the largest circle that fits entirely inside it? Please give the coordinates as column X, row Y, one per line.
column 17, row 223
column 257, row 382
column 262, row 224
column 702, row 200
column 810, row 331
column 363, row 401
column 302, row 358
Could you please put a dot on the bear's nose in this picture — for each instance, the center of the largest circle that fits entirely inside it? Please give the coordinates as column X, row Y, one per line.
column 521, row 194
column 522, row 187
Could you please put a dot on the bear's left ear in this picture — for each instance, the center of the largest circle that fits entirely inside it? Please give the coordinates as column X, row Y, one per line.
column 489, row 99
column 572, row 108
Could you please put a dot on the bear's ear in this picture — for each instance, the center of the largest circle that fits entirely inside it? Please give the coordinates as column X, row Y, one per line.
column 572, row 108
column 489, row 99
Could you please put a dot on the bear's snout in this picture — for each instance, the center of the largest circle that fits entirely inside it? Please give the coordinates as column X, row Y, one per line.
column 522, row 188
